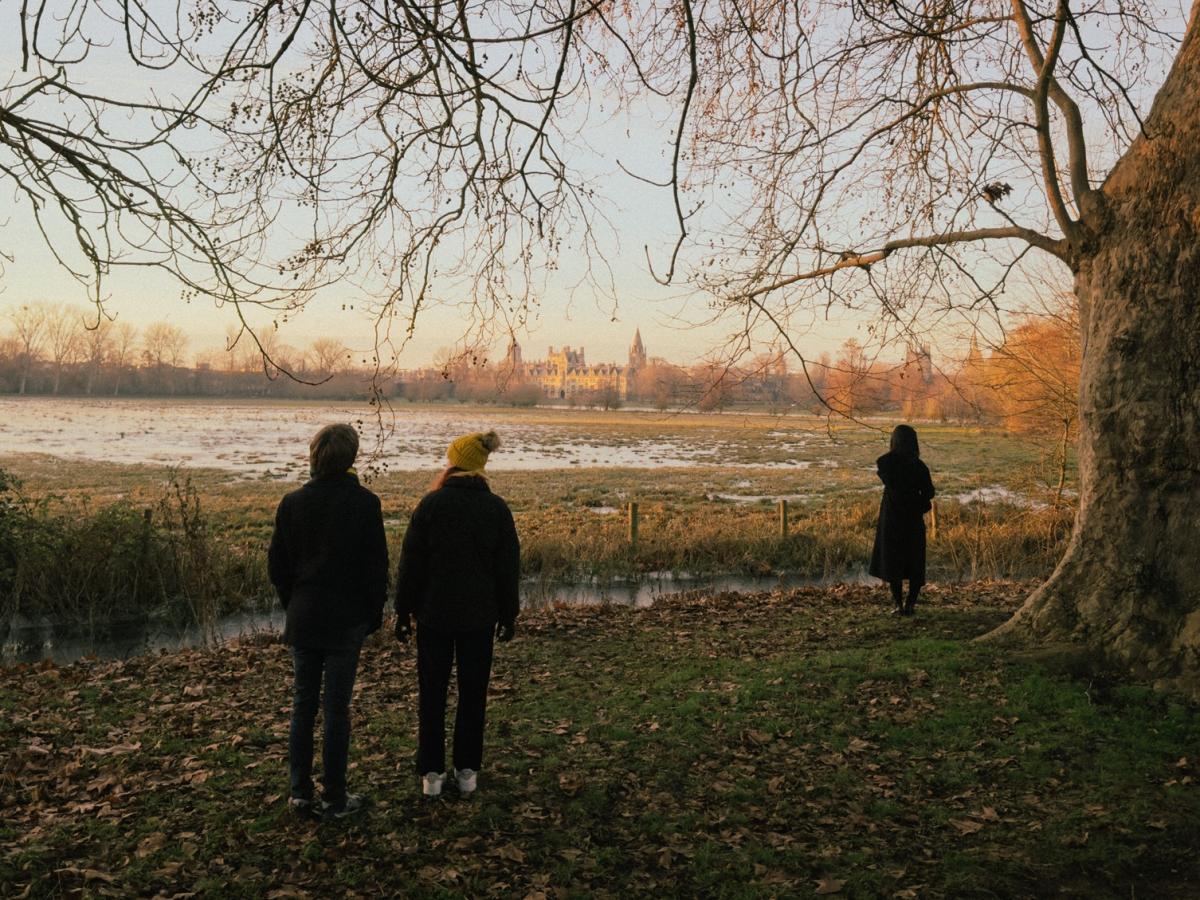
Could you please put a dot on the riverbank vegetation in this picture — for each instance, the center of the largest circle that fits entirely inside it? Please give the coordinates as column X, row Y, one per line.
column 93, row 543
column 94, row 565
column 785, row 743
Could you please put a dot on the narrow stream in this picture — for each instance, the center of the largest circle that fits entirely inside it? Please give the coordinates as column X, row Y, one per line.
column 32, row 641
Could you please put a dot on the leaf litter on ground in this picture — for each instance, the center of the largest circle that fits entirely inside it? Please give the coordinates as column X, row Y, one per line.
column 782, row 743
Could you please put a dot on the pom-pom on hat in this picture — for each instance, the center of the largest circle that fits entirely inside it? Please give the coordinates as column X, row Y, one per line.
column 470, row 452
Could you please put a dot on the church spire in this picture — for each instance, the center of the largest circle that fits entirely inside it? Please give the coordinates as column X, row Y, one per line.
column 637, row 351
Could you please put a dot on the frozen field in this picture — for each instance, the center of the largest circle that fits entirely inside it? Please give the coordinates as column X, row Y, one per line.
column 264, row 438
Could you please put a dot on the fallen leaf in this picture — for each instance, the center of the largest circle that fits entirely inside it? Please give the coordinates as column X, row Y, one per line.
column 510, row 852
column 570, row 783
column 150, row 844
column 115, row 750
column 86, row 874
column 830, row 885
column 966, row 826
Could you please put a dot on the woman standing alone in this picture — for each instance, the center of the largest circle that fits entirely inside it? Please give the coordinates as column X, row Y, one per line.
column 459, row 570
column 899, row 552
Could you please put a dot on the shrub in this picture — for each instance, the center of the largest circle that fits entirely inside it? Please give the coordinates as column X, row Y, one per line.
column 96, row 567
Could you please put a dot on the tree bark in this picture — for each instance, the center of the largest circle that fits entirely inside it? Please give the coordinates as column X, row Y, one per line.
column 1129, row 582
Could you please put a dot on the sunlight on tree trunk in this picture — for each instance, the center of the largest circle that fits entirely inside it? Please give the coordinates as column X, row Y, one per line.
column 1129, row 582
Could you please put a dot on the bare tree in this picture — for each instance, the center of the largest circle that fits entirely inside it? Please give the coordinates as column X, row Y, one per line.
column 97, row 344
column 1034, row 376
column 163, row 346
column 330, row 356
column 422, row 135
column 907, row 157
column 121, row 354
column 29, row 327
column 64, row 333
column 855, row 382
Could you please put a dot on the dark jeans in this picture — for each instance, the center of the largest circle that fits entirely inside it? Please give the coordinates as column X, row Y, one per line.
column 339, row 667
column 436, row 651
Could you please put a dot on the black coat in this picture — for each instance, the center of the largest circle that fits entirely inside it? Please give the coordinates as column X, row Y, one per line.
column 900, row 535
column 329, row 562
column 460, row 561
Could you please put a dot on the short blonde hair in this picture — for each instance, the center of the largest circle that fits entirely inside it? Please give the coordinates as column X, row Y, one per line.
column 332, row 450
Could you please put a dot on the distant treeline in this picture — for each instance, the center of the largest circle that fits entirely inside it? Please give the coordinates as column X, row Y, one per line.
column 1029, row 381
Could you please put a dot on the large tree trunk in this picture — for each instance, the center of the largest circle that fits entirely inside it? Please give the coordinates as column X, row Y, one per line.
column 1129, row 584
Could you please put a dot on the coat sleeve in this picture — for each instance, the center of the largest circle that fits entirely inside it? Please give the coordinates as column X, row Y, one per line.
column 279, row 563
column 926, row 489
column 508, row 567
column 378, row 567
column 885, row 466
column 413, row 570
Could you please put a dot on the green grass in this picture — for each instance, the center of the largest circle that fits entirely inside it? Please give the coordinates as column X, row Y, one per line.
column 738, row 745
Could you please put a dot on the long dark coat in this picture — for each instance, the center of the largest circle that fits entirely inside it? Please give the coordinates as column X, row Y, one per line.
column 900, row 535
column 329, row 563
column 460, row 560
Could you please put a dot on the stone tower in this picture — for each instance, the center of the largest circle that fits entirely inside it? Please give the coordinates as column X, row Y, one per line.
column 637, row 351
column 512, row 359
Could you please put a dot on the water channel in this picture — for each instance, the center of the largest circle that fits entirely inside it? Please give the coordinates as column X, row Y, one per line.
column 61, row 642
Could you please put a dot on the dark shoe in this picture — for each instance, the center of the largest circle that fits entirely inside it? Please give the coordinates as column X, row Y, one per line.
column 897, row 610
column 303, row 808
column 353, row 805
column 908, row 610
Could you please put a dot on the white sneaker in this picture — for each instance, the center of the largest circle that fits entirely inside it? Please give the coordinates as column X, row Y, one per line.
column 431, row 783
column 466, row 780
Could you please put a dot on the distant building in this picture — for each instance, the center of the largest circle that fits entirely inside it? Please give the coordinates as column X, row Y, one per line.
column 565, row 373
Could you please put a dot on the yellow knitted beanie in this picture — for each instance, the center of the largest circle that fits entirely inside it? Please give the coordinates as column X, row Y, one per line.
column 470, row 452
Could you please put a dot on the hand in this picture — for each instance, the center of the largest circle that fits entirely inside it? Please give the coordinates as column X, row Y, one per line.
column 505, row 631
column 403, row 628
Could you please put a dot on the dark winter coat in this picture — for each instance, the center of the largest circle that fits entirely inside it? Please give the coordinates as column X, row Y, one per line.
column 900, row 535
column 329, row 563
column 460, row 561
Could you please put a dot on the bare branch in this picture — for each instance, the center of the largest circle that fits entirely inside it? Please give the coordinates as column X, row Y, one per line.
column 866, row 260
column 1049, row 86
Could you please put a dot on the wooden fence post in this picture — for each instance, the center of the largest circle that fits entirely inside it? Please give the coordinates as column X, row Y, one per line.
column 783, row 519
column 933, row 522
column 633, row 523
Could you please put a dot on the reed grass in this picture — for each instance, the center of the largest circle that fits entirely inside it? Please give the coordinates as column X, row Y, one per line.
column 96, row 566
column 825, row 540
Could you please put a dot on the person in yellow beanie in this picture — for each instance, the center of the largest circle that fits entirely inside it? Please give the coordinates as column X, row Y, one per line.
column 458, row 576
column 469, row 453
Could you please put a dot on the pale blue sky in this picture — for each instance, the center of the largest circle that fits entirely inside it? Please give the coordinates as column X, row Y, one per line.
column 570, row 310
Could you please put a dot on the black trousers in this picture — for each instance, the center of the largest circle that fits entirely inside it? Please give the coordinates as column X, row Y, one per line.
column 339, row 668
column 436, row 653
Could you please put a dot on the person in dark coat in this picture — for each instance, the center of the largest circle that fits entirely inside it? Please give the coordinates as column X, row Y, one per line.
column 329, row 563
column 899, row 552
column 458, row 576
